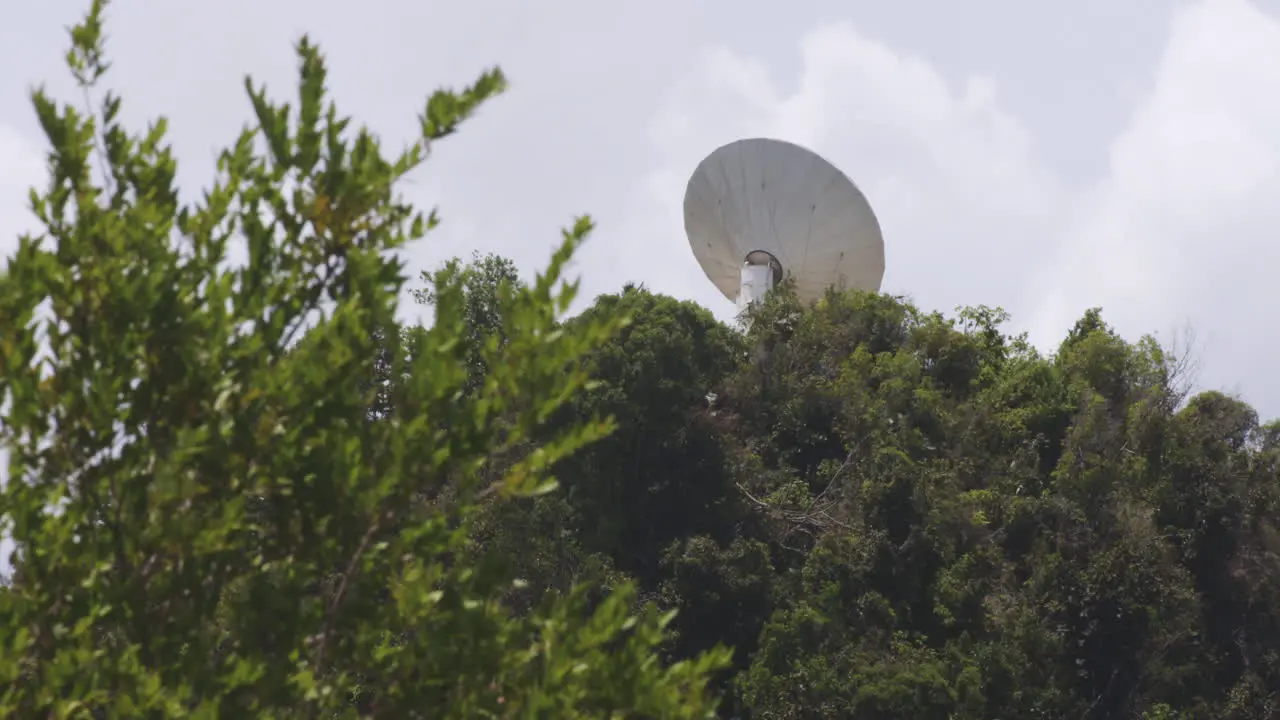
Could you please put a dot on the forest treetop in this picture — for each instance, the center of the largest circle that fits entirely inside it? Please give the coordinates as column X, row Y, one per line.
column 248, row 491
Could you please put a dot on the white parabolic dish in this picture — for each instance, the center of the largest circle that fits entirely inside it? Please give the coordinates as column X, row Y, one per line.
column 771, row 195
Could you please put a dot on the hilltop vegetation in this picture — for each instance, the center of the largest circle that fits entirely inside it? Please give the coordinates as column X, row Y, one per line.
column 247, row 491
column 891, row 514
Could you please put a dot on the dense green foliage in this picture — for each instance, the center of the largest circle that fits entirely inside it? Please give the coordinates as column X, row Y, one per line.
column 889, row 514
column 882, row 512
column 222, row 505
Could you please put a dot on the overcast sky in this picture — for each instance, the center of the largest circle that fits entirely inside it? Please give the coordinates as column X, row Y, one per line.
column 1044, row 157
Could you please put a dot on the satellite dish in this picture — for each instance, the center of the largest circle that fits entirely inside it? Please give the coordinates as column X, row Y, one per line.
column 758, row 209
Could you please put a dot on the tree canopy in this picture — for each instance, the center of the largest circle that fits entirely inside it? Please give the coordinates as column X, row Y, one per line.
column 247, row 490
column 234, row 492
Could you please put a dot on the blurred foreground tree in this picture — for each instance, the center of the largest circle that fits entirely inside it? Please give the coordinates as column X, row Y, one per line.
column 206, row 523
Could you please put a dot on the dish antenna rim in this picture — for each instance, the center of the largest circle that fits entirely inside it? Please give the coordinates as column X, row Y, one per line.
column 725, row 239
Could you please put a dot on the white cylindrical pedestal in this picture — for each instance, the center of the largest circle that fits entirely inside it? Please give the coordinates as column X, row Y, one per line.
column 757, row 281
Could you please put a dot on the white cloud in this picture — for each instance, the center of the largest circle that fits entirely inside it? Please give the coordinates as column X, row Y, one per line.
column 1183, row 227
column 1179, row 227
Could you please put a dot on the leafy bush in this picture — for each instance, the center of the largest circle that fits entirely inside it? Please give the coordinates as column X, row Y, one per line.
column 209, row 521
